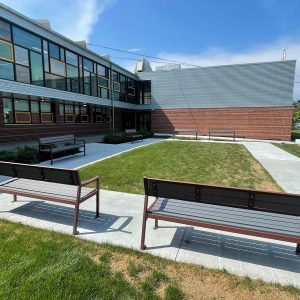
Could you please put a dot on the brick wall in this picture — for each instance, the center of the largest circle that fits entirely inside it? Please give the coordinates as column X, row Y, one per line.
column 260, row 123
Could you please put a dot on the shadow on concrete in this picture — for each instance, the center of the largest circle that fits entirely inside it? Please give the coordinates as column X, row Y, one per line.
column 265, row 253
column 63, row 215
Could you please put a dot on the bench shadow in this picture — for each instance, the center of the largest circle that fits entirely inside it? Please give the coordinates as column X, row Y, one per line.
column 264, row 253
column 63, row 215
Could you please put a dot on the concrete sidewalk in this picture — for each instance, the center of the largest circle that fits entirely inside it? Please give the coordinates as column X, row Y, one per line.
column 282, row 166
column 120, row 224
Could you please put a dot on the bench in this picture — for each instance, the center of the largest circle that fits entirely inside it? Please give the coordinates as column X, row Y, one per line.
column 50, row 184
column 222, row 133
column 132, row 133
column 258, row 213
column 59, row 144
column 185, row 130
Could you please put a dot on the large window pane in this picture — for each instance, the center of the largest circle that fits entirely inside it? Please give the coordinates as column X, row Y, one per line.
column 55, row 82
column 26, row 39
column 35, row 108
column 71, row 58
column 88, row 65
column 22, row 105
column 6, row 50
column 45, row 107
column 101, row 71
column 57, row 67
column 21, row 56
column 72, row 72
column 8, row 111
column 5, row 31
column 6, row 70
column 22, row 74
column 54, row 50
column 46, row 56
column 36, row 68
column 103, row 82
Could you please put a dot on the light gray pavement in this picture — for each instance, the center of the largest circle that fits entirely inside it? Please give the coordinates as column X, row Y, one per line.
column 120, row 223
column 96, row 152
column 282, row 166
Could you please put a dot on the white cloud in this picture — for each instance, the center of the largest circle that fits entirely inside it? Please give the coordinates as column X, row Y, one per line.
column 74, row 19
column 135, row 50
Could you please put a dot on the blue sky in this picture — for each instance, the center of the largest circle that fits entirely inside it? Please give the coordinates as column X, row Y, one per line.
column 195, row 31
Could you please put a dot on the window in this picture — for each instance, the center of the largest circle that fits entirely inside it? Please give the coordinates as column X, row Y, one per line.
column 36, row 68
column 62, row 54
column 46, row 56
column 6, row 51
column 57, row 67
column 104, row 93
column 35, row 108
column 69, row 109
column 103, row 82
column 101, row 70
column 21, row 56
column 87, row 83
column 6, row 70
column 8, row 110
column 117, row 87
column 54, row 51
column 72, row 79
column 22, row 105
column 71, row 58
column 94, row 84
column 55, row 82
column 88, row 65
column 35, row 112
column 61, row 109
column 45, row 106
column 22, row 74
column 26, row 39
column 5, row 31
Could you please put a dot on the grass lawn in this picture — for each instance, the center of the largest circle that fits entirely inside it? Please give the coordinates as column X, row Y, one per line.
column 37, row 264
column 211, row 163
column 291, row 148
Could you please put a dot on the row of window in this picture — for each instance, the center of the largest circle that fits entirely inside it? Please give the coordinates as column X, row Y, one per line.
column 20, row 111
column 25, row 57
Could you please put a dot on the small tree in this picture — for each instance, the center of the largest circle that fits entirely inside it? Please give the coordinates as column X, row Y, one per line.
column 296, row 115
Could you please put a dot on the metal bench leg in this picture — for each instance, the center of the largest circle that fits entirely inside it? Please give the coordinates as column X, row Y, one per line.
column 51, row 157
column 75, row 223
column 298, row 249
column 143, row 246
column 15, row 198
column 155, row 224
column 97, row 204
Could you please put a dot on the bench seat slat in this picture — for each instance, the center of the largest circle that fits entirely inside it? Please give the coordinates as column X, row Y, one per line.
column 42, row 188
column 215, row 215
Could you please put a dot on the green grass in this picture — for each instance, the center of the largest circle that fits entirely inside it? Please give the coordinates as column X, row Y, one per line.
column 291, row 148
column 39, row 264
column 210, row 163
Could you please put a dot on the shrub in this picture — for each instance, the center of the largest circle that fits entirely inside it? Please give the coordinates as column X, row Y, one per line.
column 120, row 137
column 26, row 155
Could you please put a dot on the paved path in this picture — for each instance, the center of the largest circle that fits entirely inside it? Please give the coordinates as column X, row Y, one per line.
column 282, row 166
column 120, row 223
column 96, row 152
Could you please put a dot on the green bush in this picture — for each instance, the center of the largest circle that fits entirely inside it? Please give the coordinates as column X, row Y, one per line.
column 120, row 137
column 26, row 155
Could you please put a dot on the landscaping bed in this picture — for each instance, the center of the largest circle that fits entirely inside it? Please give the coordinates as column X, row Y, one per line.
column 207, row 163
column 39, row 264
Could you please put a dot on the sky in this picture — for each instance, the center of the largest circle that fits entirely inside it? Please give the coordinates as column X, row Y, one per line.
column 197, row 32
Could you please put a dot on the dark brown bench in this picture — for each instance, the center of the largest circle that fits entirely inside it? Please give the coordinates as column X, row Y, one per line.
column 228, row 132
column 132, row 133
column 185, row 130
column 257, row 213
column 60, row 144
column 50, row 184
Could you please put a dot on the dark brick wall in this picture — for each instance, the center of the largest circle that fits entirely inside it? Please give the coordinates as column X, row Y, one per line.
column 261, row 123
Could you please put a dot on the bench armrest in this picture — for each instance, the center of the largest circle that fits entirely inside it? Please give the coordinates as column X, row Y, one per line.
column 94, row 179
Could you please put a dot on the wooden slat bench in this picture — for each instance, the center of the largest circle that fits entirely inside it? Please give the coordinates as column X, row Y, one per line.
column 58, row 144
column 257, row 213
column 132, row 133
column 227, row 132
column 185, row 130
column 50, row 184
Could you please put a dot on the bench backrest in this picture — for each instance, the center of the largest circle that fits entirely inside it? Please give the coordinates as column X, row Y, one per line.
column 281, row 203
column 56, row 139
column 64, row 176
column 226, row 130
column 130, row 131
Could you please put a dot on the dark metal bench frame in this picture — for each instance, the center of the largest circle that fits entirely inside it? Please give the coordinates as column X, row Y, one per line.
column 54, row 140
column 133, row 135
column 55, row 175
column 228, row 131
column 243, row 198
column 188, row 130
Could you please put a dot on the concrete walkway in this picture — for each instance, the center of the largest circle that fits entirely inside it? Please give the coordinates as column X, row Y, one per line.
column 120, row 224
column 282, row 166
column 96, row 152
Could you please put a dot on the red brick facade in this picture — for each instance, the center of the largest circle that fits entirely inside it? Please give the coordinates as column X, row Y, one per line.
column 259, row 123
